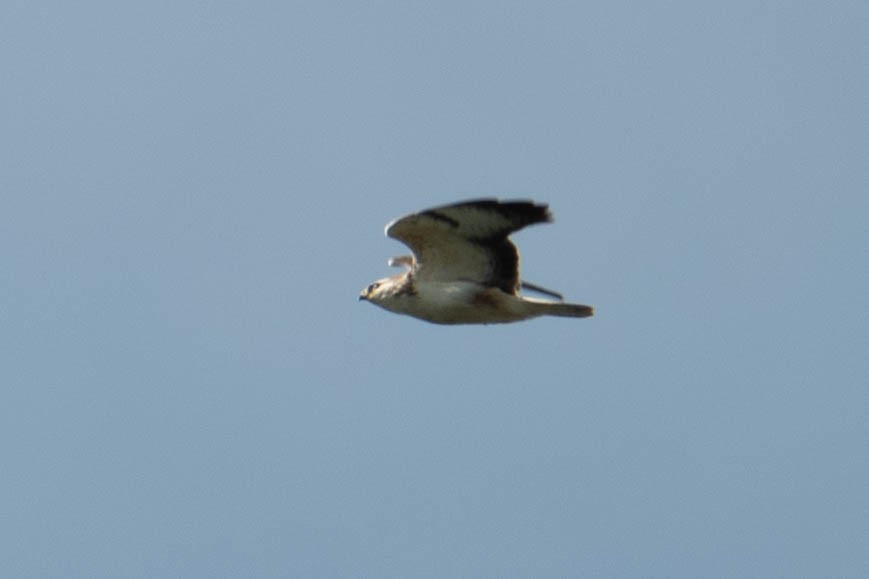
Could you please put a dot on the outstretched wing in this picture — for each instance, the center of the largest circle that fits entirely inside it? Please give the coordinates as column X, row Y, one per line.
column 468, row 241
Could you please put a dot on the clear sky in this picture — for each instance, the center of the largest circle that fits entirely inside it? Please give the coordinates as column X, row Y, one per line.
column 194, row 193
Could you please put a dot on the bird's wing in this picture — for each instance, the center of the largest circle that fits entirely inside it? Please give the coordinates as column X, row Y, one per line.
column 401, row 261
column 468, row 241
column 526, row 285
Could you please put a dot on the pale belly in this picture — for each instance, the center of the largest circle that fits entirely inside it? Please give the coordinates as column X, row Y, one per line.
column 459, row 303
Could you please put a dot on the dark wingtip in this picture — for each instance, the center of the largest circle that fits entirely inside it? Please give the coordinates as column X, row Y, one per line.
column 526, row 211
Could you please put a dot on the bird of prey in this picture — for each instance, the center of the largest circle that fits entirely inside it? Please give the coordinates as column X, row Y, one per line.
column 464, row 268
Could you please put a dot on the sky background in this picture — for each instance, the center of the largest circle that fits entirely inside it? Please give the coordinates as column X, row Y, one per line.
column 194, row 193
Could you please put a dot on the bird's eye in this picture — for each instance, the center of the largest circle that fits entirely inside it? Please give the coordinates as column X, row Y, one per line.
column 372, row 287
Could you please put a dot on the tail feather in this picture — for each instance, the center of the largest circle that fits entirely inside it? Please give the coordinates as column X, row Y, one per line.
column 544, row 308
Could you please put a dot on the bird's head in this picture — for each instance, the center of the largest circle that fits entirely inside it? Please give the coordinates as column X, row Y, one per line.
column 377, row 291
column 383, row 290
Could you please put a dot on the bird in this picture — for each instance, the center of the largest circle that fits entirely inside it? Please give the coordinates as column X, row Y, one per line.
column 464, row 268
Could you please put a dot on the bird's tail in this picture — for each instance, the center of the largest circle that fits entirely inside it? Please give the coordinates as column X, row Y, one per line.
column 544, row 308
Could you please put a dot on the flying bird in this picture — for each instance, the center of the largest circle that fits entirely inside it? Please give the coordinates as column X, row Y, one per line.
column 464, row 268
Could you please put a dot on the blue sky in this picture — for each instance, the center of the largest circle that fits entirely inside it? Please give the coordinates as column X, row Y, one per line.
column 193, row 195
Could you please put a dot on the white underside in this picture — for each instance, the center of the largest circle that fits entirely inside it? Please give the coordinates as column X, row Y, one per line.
column 461, row 303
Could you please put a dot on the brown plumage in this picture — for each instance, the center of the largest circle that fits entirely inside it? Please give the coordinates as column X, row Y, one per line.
column 464, row 268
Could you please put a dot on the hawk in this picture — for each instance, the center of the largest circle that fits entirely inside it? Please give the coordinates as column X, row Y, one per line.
column 464, row 268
